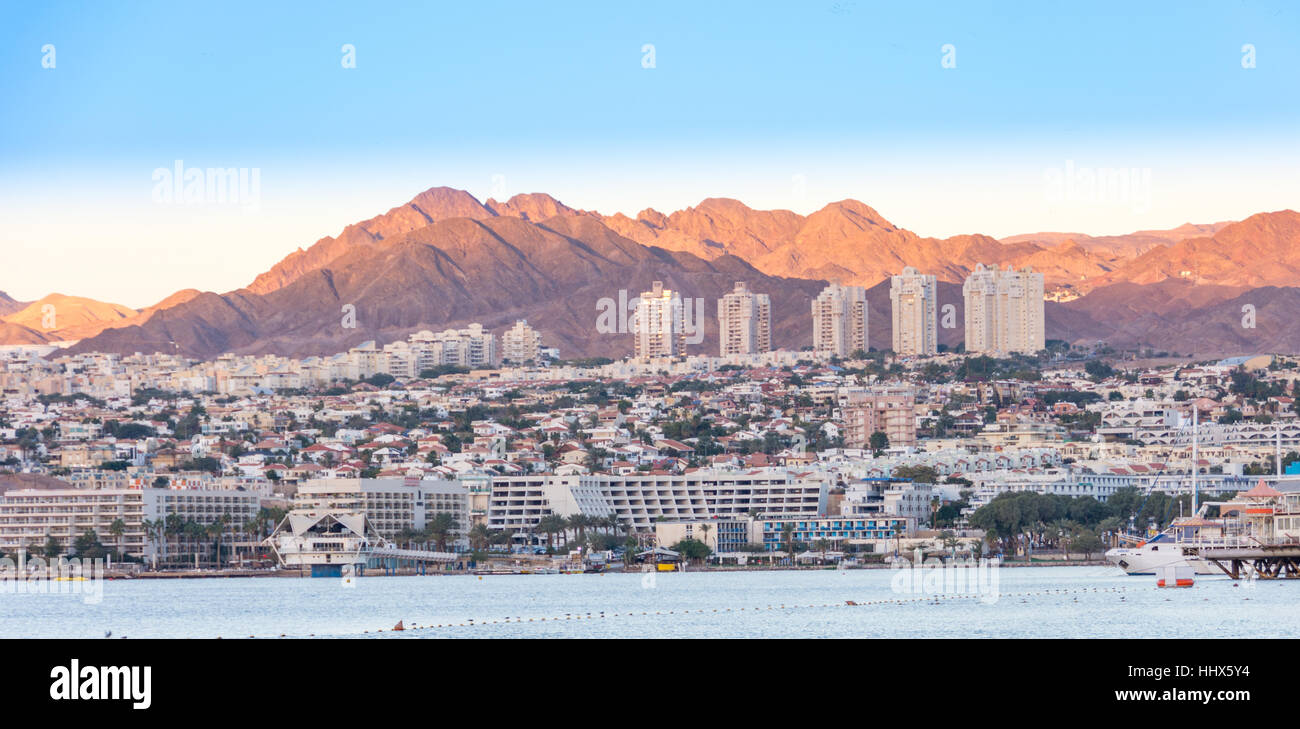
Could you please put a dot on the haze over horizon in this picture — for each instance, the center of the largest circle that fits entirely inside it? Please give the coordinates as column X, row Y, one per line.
column 740, row 103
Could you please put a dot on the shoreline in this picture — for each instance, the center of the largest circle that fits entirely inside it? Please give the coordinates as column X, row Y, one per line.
column 291, row 573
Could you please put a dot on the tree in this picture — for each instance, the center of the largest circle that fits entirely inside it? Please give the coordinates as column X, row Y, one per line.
column 217, row 530
column 87, row 545
column 879, row 442
column 919, row 474
column 441, row 529
column 692, row 549
column 787, row 538
column 118, row 529
column 1086, row 541
column 52, row 547
column 154, row 529
column 479, row 537
column 550, row 525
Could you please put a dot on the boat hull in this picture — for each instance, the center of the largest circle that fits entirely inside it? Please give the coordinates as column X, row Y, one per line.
column 1146, row 561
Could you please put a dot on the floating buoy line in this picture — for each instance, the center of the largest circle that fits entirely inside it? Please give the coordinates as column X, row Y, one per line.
column 404, row 627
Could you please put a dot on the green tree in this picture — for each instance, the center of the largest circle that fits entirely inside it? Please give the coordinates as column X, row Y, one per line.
column 879, row 442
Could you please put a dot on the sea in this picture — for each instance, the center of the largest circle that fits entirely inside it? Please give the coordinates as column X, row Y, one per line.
column 1003, row 602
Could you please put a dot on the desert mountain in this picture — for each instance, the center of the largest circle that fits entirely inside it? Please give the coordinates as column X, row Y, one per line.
column 1262, row 250
column 845, row 241
column 1120, row 246
column 60, row 318
column 492, row 270
column 9, row 305
column 430, row 206
column 445, row 259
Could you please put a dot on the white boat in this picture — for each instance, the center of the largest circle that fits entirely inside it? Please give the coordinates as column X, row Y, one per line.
column 1164, row 550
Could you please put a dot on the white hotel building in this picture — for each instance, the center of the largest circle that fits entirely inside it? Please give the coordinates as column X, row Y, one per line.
column 914, row 302
column 29, row 516
column 390, row 505
column 639, row 499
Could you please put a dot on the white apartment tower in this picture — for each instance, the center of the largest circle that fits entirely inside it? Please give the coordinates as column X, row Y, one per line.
column 744, row 322
column 1004, row 310
column 915, row 311
column 657, row 323
column 840, row 320
column 521, row 343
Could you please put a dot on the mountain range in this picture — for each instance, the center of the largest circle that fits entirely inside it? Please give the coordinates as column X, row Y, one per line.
column 446, row 259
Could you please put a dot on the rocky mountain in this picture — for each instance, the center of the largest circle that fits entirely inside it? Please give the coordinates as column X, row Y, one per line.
column 57, row 318
column 430, row 206
column 1262, row 250
column 445, row 259
column 845, row 241
column 1120, row 246
column 492, row 270
column 9, row 305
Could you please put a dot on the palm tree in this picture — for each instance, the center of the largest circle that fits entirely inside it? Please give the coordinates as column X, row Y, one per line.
column 787, row 538
column 441, row 529
column 194, row 532
column 154, row 528
column 704, row 533
column 406, row 535
column 550, row 525
column 117, row 529
column 479, row 537
column 173, row 526
column 579, row 523
column 253, row 530
column 216, row 530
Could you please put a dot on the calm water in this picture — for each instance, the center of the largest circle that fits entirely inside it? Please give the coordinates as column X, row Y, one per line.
column 1095, row 602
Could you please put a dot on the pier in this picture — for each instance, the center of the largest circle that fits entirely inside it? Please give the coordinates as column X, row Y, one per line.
column 1274, row 560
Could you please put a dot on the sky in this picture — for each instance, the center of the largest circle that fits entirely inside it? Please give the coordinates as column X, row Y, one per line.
column 947, row 118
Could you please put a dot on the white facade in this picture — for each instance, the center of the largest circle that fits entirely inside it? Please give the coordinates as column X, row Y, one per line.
column 657, row 324
column 912, row 296
column 521, row 343
column 840, row 325
column 1004, row 310
column 744, row 322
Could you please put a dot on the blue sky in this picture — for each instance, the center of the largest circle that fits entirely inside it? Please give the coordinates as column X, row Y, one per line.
column 787, row 105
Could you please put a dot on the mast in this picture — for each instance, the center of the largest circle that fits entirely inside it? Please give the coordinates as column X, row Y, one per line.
column 1196, row 455
column 1277, row 458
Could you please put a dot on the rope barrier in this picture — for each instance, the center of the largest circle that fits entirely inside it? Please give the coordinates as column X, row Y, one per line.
column 924, row 599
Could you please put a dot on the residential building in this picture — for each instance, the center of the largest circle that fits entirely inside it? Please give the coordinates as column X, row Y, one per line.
column 892, row 412
column 521, row 343
column 840, row 325
column 658, row 327
column 391, row 505
column 1004, row 310
column 744, row 322
column 913, row 300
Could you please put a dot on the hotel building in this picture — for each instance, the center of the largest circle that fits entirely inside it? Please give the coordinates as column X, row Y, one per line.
column 521, row 343
column 390, row 505
column 892, row 412
column 1004, row 311
column 638, row 500
column 744, row 322
column 29, row 516
column 912, row 297
column 840, row 324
